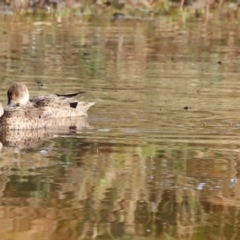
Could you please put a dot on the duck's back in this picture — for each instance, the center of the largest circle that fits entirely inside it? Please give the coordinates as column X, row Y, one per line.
column 61, row 106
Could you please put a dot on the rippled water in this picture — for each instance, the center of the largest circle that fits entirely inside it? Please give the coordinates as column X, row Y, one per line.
column 159, row 156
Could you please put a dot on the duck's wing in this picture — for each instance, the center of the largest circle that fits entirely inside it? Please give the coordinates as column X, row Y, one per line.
column 61, row 107
column 56, row 97
column 71, row 95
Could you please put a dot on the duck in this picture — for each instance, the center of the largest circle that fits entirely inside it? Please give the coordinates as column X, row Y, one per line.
column 21, row 118
column 54, row 105
column 23, row 112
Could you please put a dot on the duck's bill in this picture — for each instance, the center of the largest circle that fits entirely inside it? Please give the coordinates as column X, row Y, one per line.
column 11, row 103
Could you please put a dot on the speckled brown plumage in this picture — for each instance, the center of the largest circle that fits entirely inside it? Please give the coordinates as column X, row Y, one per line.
column 19, row 118
column 58, row 105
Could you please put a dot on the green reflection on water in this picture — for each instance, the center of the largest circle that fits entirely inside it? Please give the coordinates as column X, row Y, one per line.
column 161, row 158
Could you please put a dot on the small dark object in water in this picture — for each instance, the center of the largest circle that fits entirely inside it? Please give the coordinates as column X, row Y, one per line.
column 219, row 62
column 39, row 84
column 85, row 54
column 117, row 16
column 186, row 107
column 172, row 58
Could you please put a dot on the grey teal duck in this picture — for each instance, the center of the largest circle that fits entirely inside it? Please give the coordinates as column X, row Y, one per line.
column 25, row 113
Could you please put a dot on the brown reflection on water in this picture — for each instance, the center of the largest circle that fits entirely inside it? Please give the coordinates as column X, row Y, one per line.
column 159, row 158
column 108, row 191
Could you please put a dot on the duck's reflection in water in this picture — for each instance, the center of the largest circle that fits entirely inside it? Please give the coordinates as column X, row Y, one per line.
column 32, row 138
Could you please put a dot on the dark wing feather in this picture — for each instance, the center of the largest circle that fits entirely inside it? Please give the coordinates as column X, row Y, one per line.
column 69, row 95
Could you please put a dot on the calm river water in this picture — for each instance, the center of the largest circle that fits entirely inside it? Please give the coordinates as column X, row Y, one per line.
column 159, row 157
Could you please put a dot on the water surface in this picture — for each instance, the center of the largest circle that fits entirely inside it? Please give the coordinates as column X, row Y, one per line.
column 159, row 157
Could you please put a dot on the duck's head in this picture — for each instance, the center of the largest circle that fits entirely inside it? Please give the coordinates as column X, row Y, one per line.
column 18, row 94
